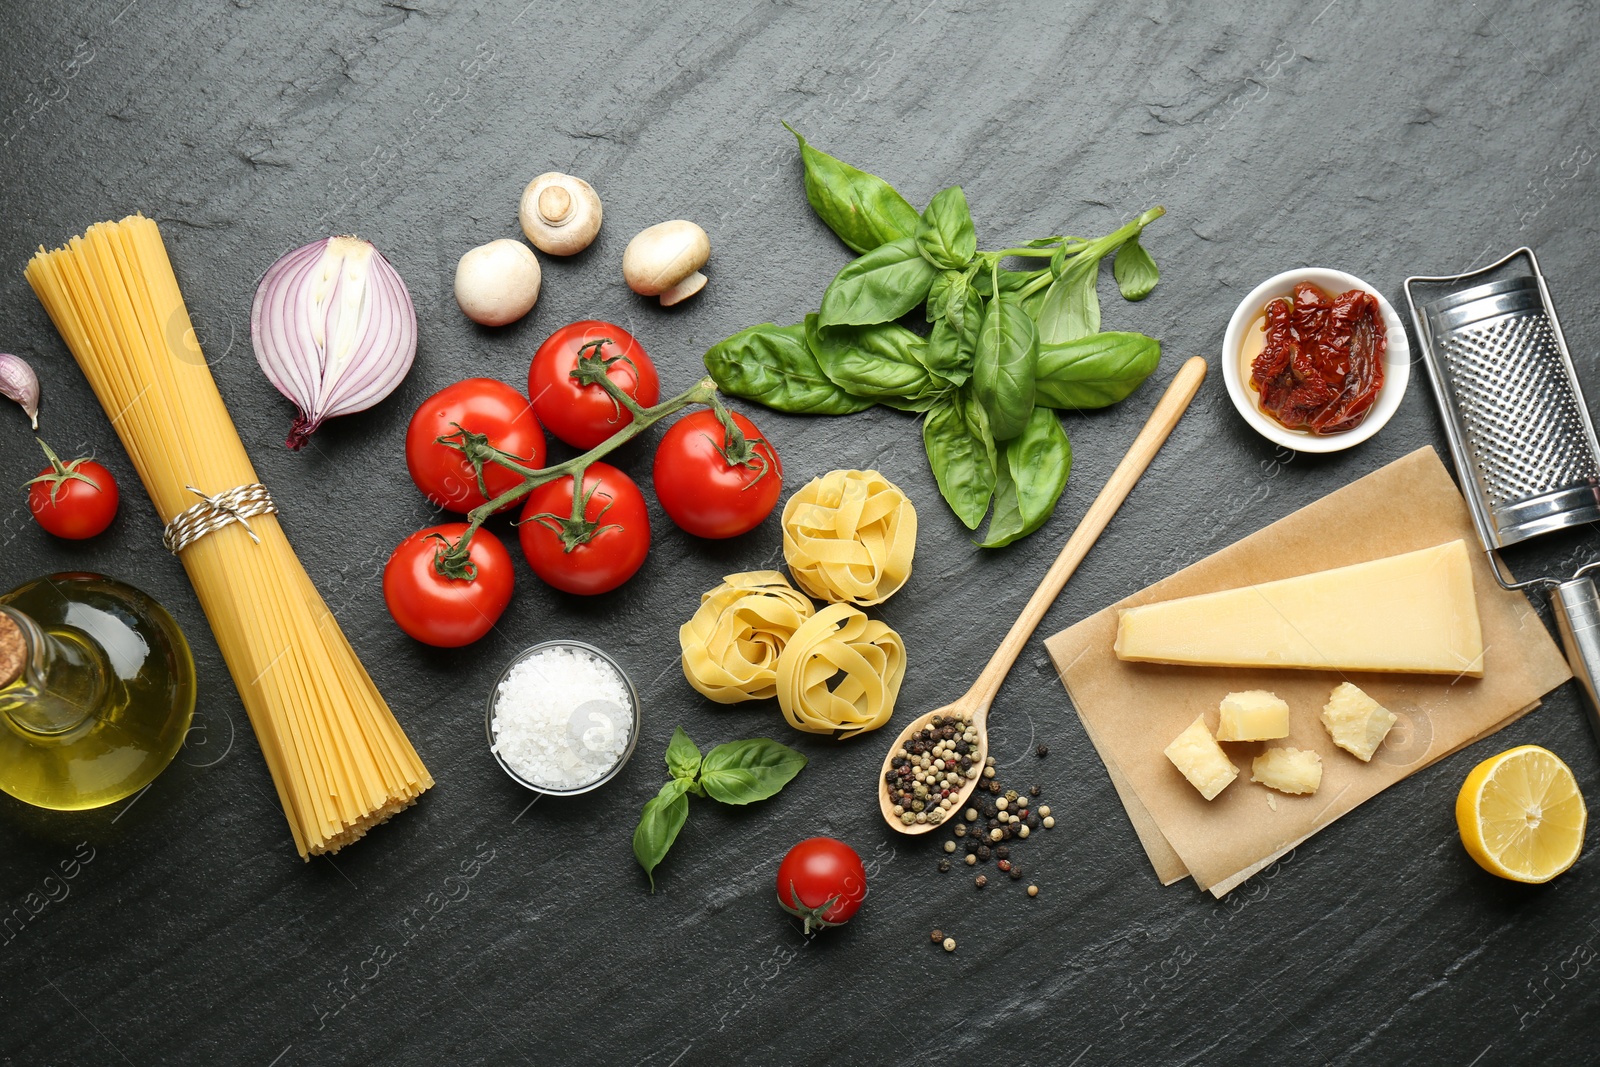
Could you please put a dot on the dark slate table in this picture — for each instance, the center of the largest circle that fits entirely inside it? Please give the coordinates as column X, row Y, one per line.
column 1381, row 139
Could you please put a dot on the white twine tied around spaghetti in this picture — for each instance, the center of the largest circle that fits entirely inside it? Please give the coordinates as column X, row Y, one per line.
column 212, row 513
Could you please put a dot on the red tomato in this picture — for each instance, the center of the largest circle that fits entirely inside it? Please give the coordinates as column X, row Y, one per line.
column 703, row 491
column 483, row 406
column 584, row 415
column 822, row 881
column 608, row 548
column 447, row 612
column 75, row 499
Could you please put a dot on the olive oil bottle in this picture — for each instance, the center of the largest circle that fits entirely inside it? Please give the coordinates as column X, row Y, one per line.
column 96, row 691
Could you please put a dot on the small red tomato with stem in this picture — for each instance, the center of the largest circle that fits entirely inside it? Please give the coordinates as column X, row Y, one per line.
column 74, row 500
column 822, row 881
column 715, row 475
column 441, row 608
column 479, row 414
column 592, row 549
column 565, row 375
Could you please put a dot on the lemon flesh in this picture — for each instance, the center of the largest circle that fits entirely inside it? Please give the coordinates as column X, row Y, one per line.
column 1521, row 815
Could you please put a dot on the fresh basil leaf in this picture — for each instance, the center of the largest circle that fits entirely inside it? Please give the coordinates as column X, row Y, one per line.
column 1135, row 271
column 879, row 361
column 863, row 209
column 1002, row 369
column 773, row 366
column 663, row 816
column 1094, row 372
column 1034, row 470
column 947, row 354
column 1071, row 306
column 880, row 286
column 939, row 292
column 741, row 772
column 683, row 757
column 962, row 455
column 945, row 235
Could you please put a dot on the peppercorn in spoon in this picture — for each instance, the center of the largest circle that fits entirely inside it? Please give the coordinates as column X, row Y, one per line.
column 933, row 767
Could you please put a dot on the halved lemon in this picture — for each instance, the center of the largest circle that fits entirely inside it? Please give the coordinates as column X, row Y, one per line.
column 1521, row 816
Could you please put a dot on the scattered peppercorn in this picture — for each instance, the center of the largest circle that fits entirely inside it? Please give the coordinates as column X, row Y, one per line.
column 1042, row 751
column 1049, row 822
column 996, row 834
column 983, row 853
column 936, row 937
column 949, row 846
column 1022, row 832
column 972, row 815
column 1016, row 873
column 981, row 881
column 944, row 865
column 1003, row 852
column 949, row 944
column 972, row 858
column 1033, row 890
column 1004, row 865
column 1045, row 810
column 960, row 831
column 1033, row 791
column 1011, row 795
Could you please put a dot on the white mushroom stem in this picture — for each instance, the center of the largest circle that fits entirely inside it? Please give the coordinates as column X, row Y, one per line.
column 684, row 289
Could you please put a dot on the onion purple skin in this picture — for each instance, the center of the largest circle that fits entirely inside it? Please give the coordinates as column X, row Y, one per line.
column 309, row 293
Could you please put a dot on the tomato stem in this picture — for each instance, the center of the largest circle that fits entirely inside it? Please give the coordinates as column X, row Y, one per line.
column 60, row 473
column 450, row 561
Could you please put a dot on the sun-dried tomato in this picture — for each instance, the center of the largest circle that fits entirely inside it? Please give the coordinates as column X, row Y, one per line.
column 1321, row 366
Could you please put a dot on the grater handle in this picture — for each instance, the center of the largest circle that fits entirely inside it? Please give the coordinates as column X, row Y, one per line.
column 1577, row 611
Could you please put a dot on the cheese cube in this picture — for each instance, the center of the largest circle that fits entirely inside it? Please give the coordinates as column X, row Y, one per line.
column 1357, row 723
column 1288, row 770
column 1254, row 715
column 1196, row 753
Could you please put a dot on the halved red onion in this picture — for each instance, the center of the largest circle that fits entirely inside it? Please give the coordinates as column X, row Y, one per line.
column 334, row 330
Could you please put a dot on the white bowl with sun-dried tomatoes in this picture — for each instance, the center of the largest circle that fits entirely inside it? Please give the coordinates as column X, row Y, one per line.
column 1321, row 379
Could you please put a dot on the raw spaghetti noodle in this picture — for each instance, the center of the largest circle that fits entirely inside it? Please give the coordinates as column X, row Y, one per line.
column 339, row 760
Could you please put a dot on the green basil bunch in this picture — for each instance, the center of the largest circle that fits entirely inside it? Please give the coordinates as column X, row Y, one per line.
column 1004, row 348
column 739, row 772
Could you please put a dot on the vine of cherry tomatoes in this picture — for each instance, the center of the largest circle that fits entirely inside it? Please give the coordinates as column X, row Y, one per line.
column 714, row 479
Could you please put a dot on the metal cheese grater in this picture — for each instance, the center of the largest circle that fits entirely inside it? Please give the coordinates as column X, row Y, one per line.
column 1519, row 430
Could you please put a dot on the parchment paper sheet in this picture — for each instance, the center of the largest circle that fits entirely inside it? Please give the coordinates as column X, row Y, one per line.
column 1132, row 710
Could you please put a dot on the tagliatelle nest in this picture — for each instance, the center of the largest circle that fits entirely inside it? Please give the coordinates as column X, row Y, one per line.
column 839, row 639
column 849, row 536
column 732, row 644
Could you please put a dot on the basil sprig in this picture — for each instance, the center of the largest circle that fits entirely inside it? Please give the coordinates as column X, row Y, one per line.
column 738, row 772
column 1004, row 349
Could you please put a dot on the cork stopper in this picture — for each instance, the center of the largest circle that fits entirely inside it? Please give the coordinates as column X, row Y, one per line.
column 13, row 650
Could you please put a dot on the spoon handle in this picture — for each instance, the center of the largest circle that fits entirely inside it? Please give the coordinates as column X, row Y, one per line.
column 1156, row 429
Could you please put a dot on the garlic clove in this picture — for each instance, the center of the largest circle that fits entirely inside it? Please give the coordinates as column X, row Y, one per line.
column 18, row 382
column 665, row 259
column 560, row 214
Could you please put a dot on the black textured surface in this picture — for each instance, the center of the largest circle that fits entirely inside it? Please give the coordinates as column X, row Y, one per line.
column 1380, row 139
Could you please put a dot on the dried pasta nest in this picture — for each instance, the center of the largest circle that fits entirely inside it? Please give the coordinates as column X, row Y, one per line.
column 837, row 640
column 849, row 536
column 732, row 644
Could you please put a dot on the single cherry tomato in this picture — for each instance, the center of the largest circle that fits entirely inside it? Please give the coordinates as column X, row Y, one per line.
column 483, row 407
column 443, row 611
column 75, row 499
column 582, row 413
column 822, row 881
column 598, row 553
column 714, row 487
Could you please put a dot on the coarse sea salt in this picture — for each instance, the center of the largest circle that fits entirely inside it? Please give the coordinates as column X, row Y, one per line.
column 563, row 718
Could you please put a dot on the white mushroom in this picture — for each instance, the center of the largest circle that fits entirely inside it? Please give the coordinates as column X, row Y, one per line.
column 498, row 282
column 665, row 261
column 560, row 213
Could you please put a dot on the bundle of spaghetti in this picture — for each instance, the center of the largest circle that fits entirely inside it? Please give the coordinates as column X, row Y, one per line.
column 340, row 761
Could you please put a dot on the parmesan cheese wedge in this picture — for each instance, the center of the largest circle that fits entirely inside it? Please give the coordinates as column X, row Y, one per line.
column 1196, row 753
column 1254, row 715
column 1413, row 613
column 1357, row 723
column 1288, row 770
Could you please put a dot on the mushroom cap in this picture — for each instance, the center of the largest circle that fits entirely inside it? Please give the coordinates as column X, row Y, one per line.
column 660, row 257
column 560, row 213
column 498, row 283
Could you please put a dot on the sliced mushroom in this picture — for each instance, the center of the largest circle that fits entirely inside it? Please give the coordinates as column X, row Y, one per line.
column 664, row 261
column 560, row 213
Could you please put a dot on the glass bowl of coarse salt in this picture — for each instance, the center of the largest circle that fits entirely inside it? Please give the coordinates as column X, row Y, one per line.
column 563, row 718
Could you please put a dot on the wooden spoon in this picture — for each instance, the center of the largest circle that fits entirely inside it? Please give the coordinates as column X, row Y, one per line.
column 975, row 704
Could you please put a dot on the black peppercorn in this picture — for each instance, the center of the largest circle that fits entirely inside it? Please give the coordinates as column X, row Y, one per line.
column 1042, row 751
column 944, row 865
column 1033, row 790
column 1031, row 821
column 1003, row 852
column 983, row 853
column 937, row 937
column 1016, row 872
column 994, row 787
